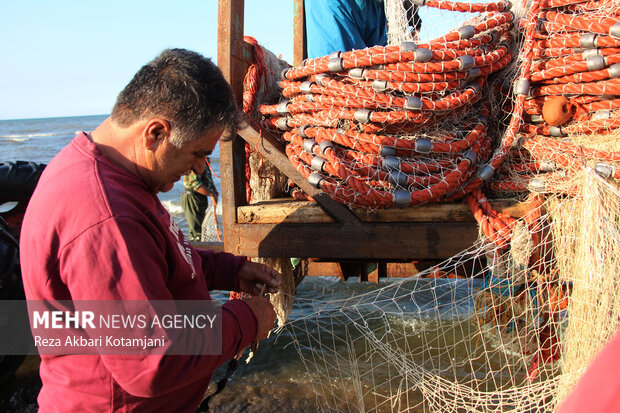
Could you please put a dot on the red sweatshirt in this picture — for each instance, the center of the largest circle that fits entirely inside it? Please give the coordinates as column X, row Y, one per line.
column 92, row 231
column 598, row 390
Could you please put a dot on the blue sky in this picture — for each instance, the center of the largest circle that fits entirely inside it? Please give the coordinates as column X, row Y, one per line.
column 71, row 58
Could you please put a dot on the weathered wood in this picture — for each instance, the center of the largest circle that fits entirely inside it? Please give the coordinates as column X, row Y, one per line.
column 233, row 54
column 384, row 269
column 288, row 210
column 324, row 269
column 214, row 246
column 299, row 33
column 233, row 62
column 436, row 240
column 282, row 210
column 272, row 149
column 402, row 269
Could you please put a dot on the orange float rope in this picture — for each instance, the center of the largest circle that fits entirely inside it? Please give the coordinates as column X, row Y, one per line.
column 405, row 125
column 576, row 58
column 349, row 119
column 573, row 69
column 251, row 85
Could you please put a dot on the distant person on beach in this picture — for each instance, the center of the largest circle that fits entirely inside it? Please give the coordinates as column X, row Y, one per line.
column 96, row 230
column 195, row 200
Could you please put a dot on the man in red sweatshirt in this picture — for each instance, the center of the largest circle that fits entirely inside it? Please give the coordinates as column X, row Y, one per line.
column 96, row 230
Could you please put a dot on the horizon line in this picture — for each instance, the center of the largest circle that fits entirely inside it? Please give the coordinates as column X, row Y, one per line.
column 55, row 117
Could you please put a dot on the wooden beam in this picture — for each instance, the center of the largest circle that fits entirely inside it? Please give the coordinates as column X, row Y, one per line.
column 273, row 151
column 233, row 58
column 214, row 246
column 324, row 269
column 233, row 54
column 387, row 241
column 299, row 33
column 289, row 211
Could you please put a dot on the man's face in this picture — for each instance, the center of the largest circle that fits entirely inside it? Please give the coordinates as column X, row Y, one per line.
column 171, row 162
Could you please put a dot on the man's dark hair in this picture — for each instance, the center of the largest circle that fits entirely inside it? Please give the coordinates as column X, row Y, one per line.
column 186, row 88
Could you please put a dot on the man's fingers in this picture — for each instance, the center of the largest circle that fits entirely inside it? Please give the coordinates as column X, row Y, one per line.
column 260, row 274
column 270, row 276
column 275, row 278
column 265, row 315
column 261, row 289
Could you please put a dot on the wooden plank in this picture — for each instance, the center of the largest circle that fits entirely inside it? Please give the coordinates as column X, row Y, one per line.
column 373, row 276
column 272, row 149
column 288, row 211
column 214, row 246
column 233, row 54
column 282, row 210
column 437, row 240
column 402, row 269
column 385, row 269
column 299, row 33
column 233, row 60
column 324, row 269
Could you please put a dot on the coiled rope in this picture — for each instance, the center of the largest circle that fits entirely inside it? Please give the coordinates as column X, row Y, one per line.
column 575, row 60
column 405, row 125
column 349, row 117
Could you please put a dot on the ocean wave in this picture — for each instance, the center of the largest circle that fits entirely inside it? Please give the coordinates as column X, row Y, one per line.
column 173, row 207
column 19, row 139
column 24, row 136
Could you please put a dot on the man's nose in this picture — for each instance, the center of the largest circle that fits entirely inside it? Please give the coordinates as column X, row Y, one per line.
column 199, row 165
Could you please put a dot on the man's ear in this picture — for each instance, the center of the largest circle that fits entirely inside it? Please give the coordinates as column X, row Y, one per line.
column 155, row 132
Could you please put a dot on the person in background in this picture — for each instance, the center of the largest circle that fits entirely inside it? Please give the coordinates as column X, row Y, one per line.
column 344, row 25
column 95, row 230
column 195, row 200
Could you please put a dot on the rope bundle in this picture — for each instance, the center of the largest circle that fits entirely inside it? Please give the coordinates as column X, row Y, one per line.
column 405, row 125
column 348, row 118
column 575, row 62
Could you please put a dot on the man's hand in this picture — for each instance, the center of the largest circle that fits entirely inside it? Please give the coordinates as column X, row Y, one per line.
column 266, row 317
column 253, row 276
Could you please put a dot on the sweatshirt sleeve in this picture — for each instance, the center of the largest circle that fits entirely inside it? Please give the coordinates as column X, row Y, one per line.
column 130, row 262
column 221, row 269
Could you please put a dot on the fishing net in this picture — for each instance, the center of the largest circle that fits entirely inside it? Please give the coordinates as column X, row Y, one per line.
column 211, row 228
column 520, row 104
column 510, row 338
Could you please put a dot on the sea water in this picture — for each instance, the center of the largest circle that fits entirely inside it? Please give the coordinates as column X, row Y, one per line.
column 39, row 140
column 275, row 380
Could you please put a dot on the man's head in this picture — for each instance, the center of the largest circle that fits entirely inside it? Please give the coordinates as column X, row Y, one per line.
column 183, row 87
column 180, row 103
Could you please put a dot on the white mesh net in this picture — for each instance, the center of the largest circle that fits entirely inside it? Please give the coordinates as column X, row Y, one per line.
column 211, row 227
column 508, row 339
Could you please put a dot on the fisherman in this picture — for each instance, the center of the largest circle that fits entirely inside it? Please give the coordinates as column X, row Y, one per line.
column 96, row 230
column 195, row 200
